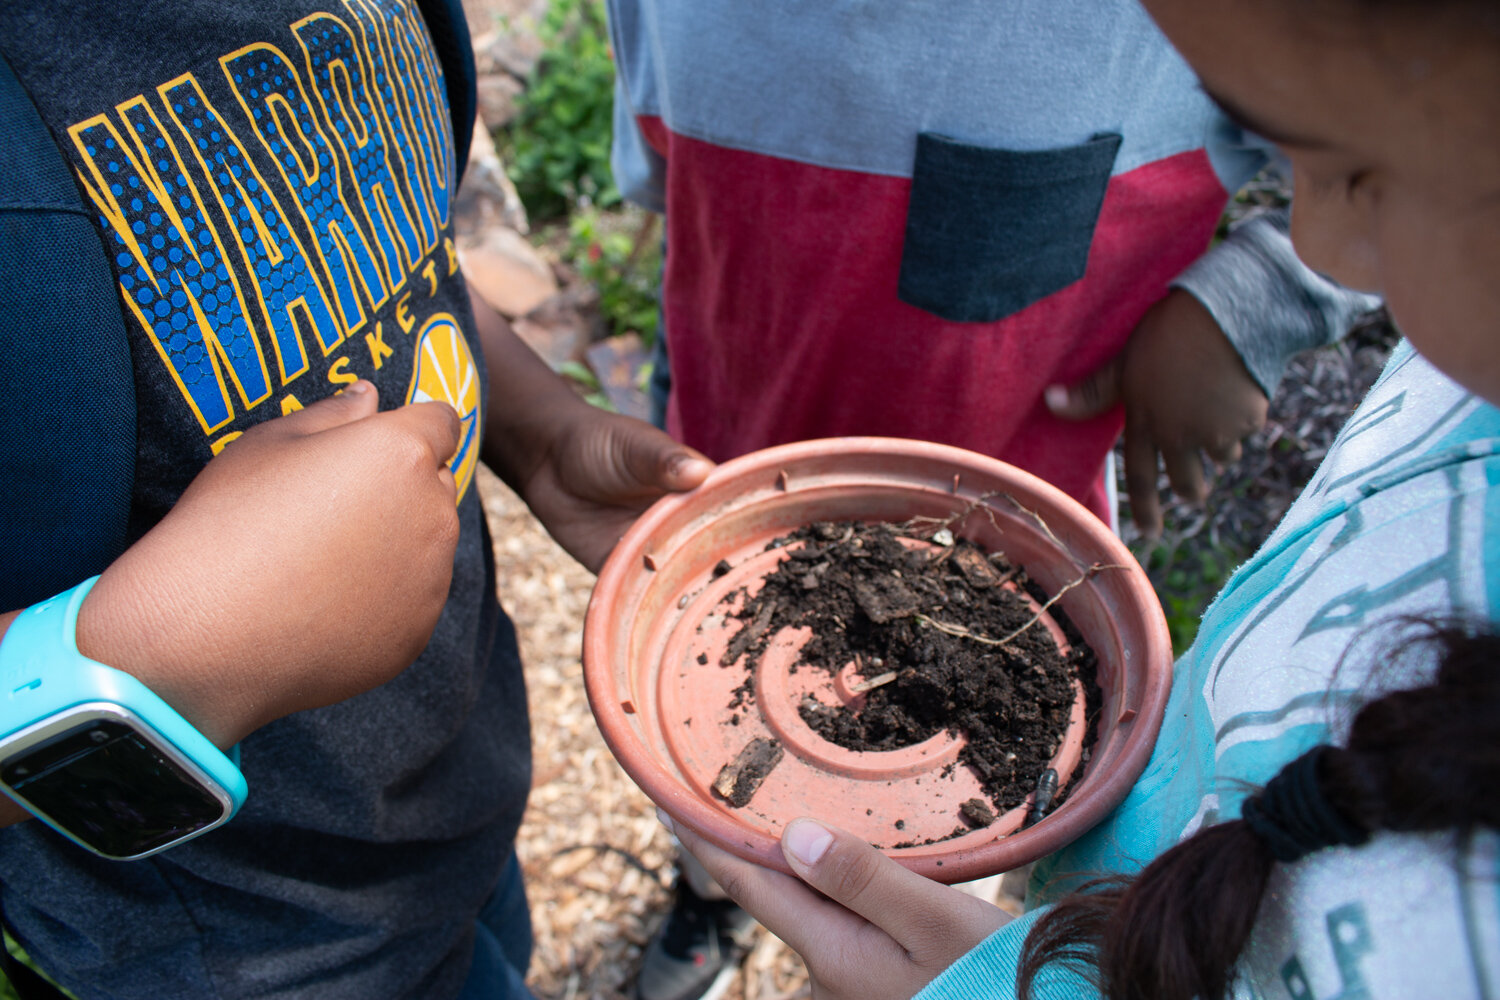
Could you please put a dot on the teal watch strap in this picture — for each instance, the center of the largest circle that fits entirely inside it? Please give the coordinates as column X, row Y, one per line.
column 49, row 689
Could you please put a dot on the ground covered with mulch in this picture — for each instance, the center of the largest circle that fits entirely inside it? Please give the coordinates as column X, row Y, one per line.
column 598, row 864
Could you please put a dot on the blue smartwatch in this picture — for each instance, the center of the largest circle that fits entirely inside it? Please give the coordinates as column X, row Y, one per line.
column 93, row 752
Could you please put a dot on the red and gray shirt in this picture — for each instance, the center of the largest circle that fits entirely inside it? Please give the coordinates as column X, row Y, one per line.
column 909, row 219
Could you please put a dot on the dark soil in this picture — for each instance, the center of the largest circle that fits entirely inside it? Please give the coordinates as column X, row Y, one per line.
column 942, row 636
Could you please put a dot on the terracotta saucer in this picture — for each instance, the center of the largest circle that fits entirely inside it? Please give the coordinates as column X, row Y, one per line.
column 662, row 615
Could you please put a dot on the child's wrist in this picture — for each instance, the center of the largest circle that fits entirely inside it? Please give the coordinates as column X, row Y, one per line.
column 516, row 448
column 142, row 633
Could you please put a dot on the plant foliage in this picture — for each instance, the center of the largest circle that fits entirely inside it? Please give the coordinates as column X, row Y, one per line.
column 624, row 264
column 557, row 148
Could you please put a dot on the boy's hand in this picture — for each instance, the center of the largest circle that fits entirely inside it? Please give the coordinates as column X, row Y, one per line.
column 585, row 473
column 867, row 928
column 1186, row 394
column 599, row 473
column 306, row 563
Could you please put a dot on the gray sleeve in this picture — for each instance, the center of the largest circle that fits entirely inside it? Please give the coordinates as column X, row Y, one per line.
column 640, row 172
column 1269, row 304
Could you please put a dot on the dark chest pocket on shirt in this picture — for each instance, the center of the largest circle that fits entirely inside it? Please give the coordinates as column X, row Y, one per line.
column 990, row 231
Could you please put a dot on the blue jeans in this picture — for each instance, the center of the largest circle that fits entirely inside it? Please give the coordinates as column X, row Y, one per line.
column 659, row 387
column 502, row 942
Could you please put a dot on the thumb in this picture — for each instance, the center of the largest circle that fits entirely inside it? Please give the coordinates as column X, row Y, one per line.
column 435, row 423
column 1089, row 397
column 658, row 463
column 685, row 469
column 355, row 402
column 859, row 878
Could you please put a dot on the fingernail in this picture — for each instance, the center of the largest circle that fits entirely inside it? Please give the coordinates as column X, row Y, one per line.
column 806, row 840
column 688, row 467
column 358, row 388
column 1056, row 396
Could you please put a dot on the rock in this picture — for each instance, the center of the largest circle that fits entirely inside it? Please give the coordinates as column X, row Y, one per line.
column 560, row 328
column 618, row 362
column 977, row 813
column 507, row 271
column 487, row 198
column 512, row 52
column 497, row 99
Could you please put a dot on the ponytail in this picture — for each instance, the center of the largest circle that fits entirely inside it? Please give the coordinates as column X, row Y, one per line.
column 1418, row 760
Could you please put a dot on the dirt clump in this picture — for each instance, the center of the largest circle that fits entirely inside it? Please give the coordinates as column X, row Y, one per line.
column 942, row 637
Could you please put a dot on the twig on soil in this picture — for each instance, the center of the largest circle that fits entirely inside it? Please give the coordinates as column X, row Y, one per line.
column 982, row 500
column 874, row 682
column 941, row 558
column 746, row 636
column 1007, row 576
column 937, row 523
column 963, row 633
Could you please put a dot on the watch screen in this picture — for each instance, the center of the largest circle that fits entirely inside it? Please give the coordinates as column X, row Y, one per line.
column 111, row 789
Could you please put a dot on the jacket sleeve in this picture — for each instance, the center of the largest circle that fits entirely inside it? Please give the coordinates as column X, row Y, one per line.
column 988, row 971
column 640, row 172
column 1269, row 304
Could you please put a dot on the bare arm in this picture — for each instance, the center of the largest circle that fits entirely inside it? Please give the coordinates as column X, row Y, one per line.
column 586, row 473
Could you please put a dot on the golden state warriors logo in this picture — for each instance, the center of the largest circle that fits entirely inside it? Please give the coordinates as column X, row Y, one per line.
column 444, row 371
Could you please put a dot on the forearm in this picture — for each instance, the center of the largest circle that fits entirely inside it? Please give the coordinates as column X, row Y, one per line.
column 236, row 609
column 527, row 400
column 176, row 636
column 137, row 628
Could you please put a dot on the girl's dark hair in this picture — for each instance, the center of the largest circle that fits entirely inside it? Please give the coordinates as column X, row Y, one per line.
column 1424, row 759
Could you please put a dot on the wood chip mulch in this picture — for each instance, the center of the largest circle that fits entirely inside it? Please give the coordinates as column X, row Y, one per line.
column 598, row 864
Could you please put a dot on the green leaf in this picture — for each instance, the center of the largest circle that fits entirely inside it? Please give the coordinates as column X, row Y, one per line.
column 558, row 145
column 580, row 373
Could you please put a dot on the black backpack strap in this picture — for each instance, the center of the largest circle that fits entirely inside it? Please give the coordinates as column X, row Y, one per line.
column 450, row 36
column 67, row 426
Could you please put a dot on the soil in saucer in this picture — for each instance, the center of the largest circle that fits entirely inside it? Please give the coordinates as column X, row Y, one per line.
column 939, row 631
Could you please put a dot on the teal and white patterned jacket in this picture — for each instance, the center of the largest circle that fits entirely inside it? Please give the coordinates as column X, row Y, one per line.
column 1402, row 518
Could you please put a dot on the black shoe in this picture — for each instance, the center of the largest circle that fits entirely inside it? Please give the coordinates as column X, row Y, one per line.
column 697, row 950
